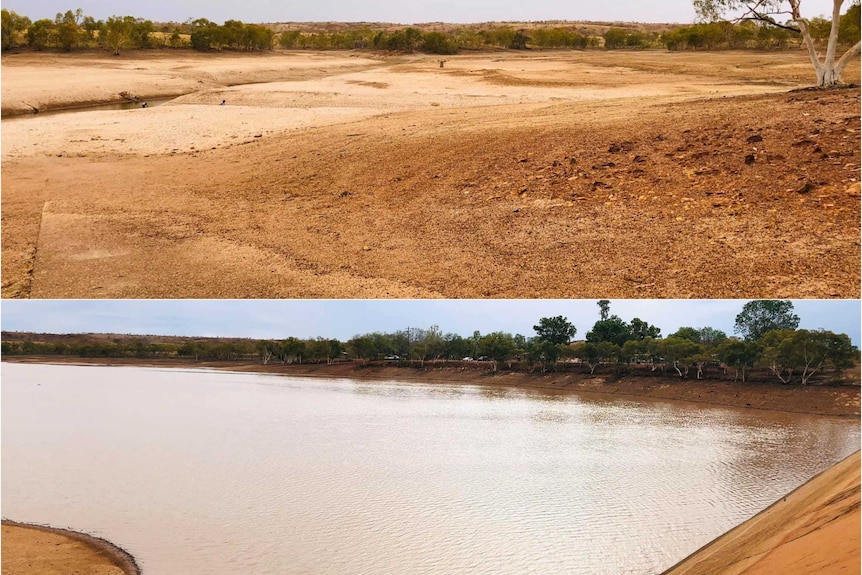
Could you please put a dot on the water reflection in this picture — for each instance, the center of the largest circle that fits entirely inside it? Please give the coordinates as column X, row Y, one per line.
column 199, row 472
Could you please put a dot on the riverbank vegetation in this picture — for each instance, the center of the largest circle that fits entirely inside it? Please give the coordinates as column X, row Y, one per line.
column 73, row 30
column 768, row 347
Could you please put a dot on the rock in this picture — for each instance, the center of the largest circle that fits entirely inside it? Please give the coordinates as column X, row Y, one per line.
column 754, row 138
column 749, row 159
column 807, row 187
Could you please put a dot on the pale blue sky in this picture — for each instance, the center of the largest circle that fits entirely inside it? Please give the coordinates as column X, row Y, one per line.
column 384, row 10
column 343, row 319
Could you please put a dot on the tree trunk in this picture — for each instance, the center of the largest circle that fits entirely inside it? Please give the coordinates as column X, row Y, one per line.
column 779, row 370
column 828, row 72
column 809, row 371
column 845, row 59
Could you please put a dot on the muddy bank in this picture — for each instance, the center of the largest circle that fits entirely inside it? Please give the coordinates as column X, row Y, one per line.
column 43, row 550
column 814, row 529
column 838, row 400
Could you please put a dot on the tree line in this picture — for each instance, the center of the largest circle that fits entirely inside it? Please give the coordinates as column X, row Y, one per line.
column 73, row 30
column 724, row 35
column 767, row 337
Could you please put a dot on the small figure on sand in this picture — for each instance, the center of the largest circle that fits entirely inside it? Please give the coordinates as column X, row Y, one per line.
column 144, row 105
column 222, row 103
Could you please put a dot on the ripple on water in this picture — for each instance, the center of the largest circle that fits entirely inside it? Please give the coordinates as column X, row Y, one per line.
column 197, row 471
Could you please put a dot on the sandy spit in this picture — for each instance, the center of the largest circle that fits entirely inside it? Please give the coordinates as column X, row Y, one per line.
column 43, row 550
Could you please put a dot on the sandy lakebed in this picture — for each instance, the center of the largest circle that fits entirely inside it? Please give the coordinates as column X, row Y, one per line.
column 352, row 174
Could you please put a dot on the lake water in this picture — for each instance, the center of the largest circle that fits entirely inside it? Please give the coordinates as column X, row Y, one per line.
column 199, row 472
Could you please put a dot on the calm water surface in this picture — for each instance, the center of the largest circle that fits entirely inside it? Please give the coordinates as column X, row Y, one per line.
column 207, row 472
column 151, row 103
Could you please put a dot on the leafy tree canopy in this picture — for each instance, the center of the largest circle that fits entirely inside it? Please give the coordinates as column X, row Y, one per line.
column 761, row 316
column 556, row 330
column 613, row 329
column 642, row 330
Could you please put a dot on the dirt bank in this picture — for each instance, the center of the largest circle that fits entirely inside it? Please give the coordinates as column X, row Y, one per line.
column 41, row 550
column 612, row 175
column 814, row 529
column 843, row 400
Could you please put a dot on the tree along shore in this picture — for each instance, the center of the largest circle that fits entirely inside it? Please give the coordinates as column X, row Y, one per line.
column 771, row 347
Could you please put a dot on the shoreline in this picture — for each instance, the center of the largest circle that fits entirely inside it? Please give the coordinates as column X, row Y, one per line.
column 822, row 400
column 113, row 553
column 789, row 535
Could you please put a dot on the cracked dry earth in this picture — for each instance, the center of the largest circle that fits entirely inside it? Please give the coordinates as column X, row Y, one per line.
column 704, row 196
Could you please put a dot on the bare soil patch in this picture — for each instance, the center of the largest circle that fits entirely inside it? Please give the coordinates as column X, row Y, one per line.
column 619, row 175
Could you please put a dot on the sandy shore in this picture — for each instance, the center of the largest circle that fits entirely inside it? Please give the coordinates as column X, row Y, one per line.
column 501, row 175
column 813, row 530
column 41, row 550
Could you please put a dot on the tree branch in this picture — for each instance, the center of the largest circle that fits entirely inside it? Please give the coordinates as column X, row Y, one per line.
column 854, row 51
column 769, row 20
